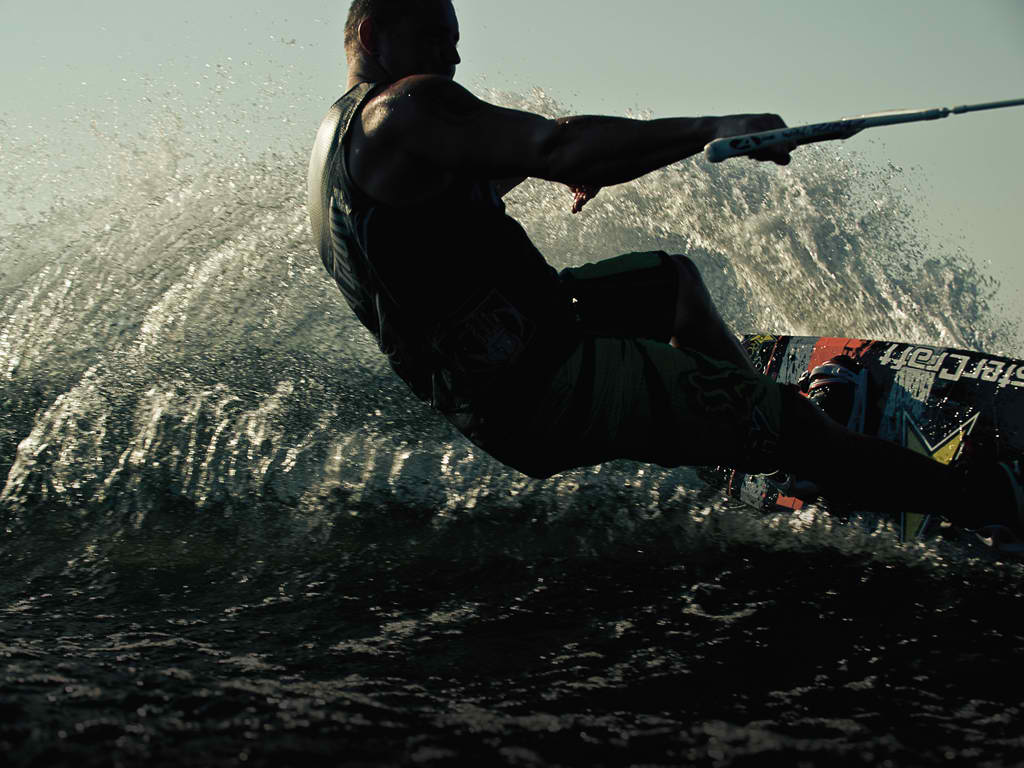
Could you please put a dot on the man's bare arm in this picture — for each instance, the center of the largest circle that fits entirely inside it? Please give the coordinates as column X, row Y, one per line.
column 601, row 151
column 441, row 123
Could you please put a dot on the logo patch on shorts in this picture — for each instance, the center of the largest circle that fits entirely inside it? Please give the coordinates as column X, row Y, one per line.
column 490, row 337
column 724, row 390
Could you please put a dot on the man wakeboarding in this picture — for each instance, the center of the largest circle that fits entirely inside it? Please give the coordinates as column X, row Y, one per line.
column 626, row 358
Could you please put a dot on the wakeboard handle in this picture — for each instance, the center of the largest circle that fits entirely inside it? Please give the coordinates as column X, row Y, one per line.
column 734, row 146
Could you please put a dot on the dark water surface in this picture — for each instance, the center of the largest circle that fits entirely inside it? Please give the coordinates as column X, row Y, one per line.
column 727, row 654
column 231, row 536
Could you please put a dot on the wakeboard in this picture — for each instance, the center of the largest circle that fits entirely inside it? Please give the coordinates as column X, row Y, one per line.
column 956, row 406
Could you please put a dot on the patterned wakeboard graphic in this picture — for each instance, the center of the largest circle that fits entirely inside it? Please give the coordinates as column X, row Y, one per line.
column 958, row 407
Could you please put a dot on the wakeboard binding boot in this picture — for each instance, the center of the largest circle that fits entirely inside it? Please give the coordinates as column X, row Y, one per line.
column 840, row 388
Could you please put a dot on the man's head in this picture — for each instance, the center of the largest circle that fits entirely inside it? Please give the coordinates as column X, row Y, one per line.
column 392, row 39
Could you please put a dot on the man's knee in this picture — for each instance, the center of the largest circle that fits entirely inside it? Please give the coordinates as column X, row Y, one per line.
column 693, row 302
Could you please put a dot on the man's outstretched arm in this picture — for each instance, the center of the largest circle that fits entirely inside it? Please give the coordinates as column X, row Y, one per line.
column 440, row 123
column 601, row 151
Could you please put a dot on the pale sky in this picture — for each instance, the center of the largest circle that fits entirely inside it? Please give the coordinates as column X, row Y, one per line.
column 808, row 60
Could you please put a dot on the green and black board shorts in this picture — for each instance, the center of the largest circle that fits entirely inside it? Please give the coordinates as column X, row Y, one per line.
column 626, row 393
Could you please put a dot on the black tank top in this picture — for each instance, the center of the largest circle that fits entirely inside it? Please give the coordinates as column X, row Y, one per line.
column 459, row 299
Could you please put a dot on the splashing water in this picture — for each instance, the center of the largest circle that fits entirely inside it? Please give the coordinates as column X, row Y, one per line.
column 170, row 338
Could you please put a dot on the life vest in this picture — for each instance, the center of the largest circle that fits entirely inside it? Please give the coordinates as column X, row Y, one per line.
column 457, row 296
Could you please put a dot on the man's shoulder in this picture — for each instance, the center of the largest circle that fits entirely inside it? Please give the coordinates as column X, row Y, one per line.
column 420, row 85
column 401, row 105
column 386, row 152
column 419, row 132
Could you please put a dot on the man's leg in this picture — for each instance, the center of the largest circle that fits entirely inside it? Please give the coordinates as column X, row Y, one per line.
column 625, row 296
column 815, row 447
column 652, row 295
column 697, row 323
